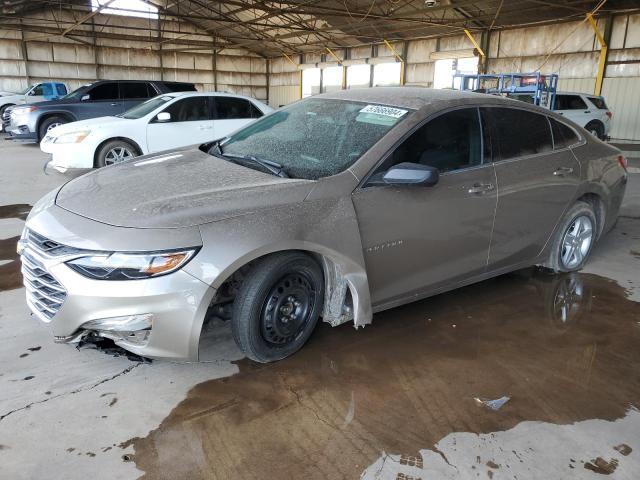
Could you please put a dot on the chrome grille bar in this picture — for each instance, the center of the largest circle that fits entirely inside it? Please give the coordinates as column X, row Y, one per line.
column 45, row 295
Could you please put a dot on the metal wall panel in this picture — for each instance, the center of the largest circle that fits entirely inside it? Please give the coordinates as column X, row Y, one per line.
column 581, row 85
column 623, row 98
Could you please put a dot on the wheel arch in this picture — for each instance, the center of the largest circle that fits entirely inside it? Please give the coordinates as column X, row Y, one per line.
column 46, row 115
column 345, row 281
column 597, row 203
column 110, row 139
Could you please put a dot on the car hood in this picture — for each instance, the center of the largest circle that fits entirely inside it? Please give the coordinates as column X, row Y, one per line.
column 176, row 188
column 91, row 123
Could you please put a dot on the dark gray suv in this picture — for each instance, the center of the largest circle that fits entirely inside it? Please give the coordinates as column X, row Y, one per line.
column 103, row 98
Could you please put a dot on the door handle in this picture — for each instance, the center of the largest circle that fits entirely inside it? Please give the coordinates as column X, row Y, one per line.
column 562, row 171
column 481, row 188
column 114, row 104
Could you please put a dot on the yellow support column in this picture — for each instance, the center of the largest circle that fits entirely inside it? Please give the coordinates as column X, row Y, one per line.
column 602, row 62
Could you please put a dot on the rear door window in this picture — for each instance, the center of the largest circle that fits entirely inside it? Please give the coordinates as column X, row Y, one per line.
column 570, row 102
column 519, row 132
column 134, row 90
column 563, row 136
column 229, row 108
column 179, row 87
column 104, row 91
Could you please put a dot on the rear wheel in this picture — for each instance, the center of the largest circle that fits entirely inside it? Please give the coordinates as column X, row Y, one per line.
column 596, row 129
column 49, row 124
column 278, row 306
column 574, row 239
column 115, row 151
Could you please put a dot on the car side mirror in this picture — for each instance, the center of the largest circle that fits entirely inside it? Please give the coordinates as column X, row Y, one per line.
column 84, row 98
column 163, row 117
column 407, row 173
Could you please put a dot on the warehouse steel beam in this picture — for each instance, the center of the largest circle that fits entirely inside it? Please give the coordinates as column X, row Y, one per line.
column 604, row 50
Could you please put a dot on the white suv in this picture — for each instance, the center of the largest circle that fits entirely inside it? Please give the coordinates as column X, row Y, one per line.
column 589, row 111
column 167, row 121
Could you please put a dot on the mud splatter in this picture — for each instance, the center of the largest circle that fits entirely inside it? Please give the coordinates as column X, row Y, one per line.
column 113, row 402
column 10, row 276
column 601, row 466
column 624, row 449
column 563, row 347
column 29, row 377
column 34, row 349
column 18, row 210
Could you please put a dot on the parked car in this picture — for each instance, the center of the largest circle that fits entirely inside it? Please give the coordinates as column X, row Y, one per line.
column 107, row 97
column 33, row 93
column 339, row 205
column 588, row 111
column 166, row 121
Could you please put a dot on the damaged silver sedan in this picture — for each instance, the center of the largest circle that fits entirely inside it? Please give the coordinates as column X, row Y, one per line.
column 337, row 206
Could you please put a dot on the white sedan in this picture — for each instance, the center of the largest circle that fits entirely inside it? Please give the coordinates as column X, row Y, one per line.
column 166, row 121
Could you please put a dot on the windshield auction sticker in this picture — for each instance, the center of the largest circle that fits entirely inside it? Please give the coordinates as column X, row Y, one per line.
column 385, row 111
column 379, row 115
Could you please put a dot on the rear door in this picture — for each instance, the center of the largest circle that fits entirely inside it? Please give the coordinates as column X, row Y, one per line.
column 231, row 113
column 133, row 93
column 574, row 108
column 191, row 123
column 535, row 184
column 99, row 101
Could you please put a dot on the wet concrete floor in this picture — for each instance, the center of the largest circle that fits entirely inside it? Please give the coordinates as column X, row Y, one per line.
column 562, row 348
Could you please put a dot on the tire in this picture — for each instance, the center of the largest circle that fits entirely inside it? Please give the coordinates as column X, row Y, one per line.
column 278, row 306
column 115, row 151
column 4, row 107
column 49, row 123
column 596, row 129
column 574, row 240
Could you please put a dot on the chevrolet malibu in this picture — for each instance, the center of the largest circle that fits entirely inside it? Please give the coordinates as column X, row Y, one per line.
column 337, row 206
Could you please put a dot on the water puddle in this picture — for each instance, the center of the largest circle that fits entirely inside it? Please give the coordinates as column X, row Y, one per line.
column 562, row 348
column 10, row 276
column 18, row 210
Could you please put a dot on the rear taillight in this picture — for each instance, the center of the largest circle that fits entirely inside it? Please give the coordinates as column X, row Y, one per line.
column 623, row 162
column 609, row 114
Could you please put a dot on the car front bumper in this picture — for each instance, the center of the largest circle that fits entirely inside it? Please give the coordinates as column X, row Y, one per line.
column 156, row 317
column 69, row 156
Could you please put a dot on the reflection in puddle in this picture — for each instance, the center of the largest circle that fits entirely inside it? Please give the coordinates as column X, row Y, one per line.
column 563, row 348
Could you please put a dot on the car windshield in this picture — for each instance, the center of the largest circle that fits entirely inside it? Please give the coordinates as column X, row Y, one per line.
column 314, row 138
column 24, row 92
column 145, row 108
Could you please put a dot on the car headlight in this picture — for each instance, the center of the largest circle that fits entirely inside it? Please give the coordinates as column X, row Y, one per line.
column 23, row 110
column 72, row 137
column 131, row 266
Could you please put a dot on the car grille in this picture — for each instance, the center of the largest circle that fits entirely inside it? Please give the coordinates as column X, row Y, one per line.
column 45, row 295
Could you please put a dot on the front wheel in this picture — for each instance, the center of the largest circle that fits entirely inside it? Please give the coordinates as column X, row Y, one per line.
column 49, row 124
column 278, row 306
column 574, row 239
column 115, row 151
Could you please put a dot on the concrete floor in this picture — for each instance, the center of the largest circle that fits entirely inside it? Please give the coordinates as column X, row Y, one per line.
column 401, row 399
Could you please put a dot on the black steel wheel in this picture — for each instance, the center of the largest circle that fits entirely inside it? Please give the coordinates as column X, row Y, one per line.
column 278, row 306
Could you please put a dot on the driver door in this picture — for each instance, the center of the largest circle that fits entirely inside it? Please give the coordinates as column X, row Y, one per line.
column 418, row 238
column 191, row 122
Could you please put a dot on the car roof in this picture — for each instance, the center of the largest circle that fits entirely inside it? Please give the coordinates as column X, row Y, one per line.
column 580, row 93
column 205, row 94
column 408, row 97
